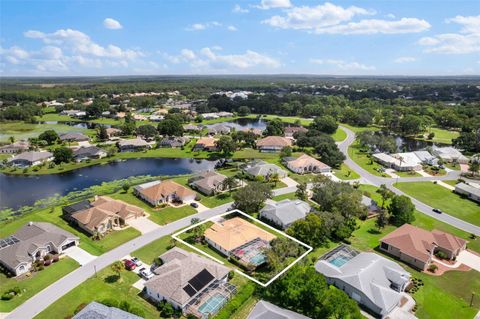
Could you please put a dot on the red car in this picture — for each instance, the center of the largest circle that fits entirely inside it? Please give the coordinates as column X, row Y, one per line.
column 130, row 265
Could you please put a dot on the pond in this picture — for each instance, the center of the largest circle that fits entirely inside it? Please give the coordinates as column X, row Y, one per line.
column 84, row 125
column 17, row 191
column 243, row 123
column 409, row 144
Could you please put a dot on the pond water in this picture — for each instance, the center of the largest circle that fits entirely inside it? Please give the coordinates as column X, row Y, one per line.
column 408, row 144
column 243, row 123
column 85, row 125
column 17, row 191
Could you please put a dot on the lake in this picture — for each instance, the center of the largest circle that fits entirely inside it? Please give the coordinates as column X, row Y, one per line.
column 17, row 191
column 243, row 123
column 84, row 125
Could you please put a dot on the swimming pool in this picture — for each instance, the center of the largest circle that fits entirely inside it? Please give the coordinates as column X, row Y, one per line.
column 258, row 259
column 339, row 261
column 213, row 304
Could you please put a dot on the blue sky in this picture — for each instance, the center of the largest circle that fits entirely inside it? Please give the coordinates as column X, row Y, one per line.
column 57, row 38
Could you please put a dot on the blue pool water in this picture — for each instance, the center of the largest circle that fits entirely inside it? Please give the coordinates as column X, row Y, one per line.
column 339, row 261
column 212, row 305
column 258, row 259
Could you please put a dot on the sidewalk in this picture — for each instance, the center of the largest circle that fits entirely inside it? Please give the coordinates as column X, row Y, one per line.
column 450, row 187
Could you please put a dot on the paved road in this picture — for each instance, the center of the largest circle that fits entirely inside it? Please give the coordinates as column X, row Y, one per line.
column 367, row 177
column 49, row 295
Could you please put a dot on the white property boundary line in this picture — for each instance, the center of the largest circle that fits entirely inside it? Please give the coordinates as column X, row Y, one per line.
column 309, row 249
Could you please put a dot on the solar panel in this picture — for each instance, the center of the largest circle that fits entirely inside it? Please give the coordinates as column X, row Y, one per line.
column 189, row 290
column 8, row 241
column 201, row 279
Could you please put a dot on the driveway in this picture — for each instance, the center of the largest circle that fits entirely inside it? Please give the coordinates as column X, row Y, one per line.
column 289, row 181
column 79, row 255
column 200, row 208
column 143, row 225
column 469, row 259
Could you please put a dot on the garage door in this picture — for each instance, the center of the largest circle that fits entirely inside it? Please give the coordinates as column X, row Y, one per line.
column 70, row 244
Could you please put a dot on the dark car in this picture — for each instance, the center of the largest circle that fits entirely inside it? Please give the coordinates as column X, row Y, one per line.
column 194, row 205
column 436, row 210
column 129, row 265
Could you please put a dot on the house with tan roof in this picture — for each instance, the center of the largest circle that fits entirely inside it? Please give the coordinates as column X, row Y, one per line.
column 208, row 183
column 158, row 192
column 230, row 234
column 417, row 246
column 15, row 147
column 133, row 145
column 273, row 143
column 103, row 215
column 113, row 132
column 205, row 144
column 31, row 158
column 33, row 242
column 289, row 131
column 188, row 281
column 306, row 164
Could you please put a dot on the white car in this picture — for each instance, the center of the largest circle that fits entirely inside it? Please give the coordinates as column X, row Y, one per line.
column 145, row 273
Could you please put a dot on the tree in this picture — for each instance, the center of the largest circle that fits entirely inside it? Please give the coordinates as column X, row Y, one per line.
column 243, row 110
column 126, row 187
column 226, row 145
column 325, row 124
column 49, row 136
column 385, row 193
column 229, row 183
column 62, row 155
column 382, row 219
column 274, row 178
column 251, row 197
column 274, row 128
column 411, row 125
column 147, row 131
column 310, row 230
column 401, row 210
column 117, row 267
column 11, row 139
column 170, row 127
column 286, row 152
column 102, row 133
column 98, row 106
column 301, row 192
column 474, row 166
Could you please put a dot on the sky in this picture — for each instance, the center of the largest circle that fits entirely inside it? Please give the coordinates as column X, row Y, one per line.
column 144, row 37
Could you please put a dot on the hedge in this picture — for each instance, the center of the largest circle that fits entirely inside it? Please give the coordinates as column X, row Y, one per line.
column 236, row 302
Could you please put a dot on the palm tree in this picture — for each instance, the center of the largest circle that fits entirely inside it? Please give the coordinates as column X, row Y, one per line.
column 274, row 178
column 12, row 139
column 229, row 183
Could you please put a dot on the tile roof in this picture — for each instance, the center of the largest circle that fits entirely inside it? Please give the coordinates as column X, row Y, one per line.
column 207, row 180
column 277, row 141
column 420, row 243
column 306, row 160
column 261, row 168
column 161, row 189
column 235, row 232
column 266, row 310
column 206, row 142
column 95, row 310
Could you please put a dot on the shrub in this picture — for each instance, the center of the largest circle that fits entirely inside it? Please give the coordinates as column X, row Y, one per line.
column 441, row 255
column 47, row 263
column 236, row 302
column 7, row 296
column 110, row 302
column 432, row 268
column 47, row 257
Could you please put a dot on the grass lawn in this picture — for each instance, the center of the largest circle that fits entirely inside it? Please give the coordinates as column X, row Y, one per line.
column 248, row 153
column 455, row 167
column 345, row 172
column 32, row 285
column 99, row 288
column 408, row 174
column 21, row 130
column 361, row 158
column 451, row 182
column 357, row 129
column 339, row 135
column 284, row 196
column 444, row 199
column 441, row 135
column 95, row 247
column 50, row 117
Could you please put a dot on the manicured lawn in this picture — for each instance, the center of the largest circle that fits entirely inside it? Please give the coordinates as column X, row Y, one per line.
column 171, row 214
column 249, row 153
column 284, row 196
column 339, row 135
column 32, row 285
column 50, row 117
column 357, row 129
column 21, row 130
column 345, row 172
column 441, row 135
column 99, row 288
column 444, row 199
column 361, row 158
column 95, row 247
column 455, row 167
column 451, row 182
column 151, row 251
column 408, row 174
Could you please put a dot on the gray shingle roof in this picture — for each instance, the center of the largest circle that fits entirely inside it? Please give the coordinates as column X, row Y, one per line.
column 95, row 310
column 287, row 211
column 265, row 310
column 32, row 156
column 468, row 188
column 87, row 151
column 262, row 168
column 74, row 136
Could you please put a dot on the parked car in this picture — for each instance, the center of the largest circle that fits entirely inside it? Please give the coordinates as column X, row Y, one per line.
column 194, row 205
column 129, row 265
column 145, row 273
column 436, row 210
column 137, row 261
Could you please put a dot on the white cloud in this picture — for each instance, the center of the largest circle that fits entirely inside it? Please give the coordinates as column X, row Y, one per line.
column 238, row 9
column 390, row 15
column 209, row 58
column 113, row 24
column 344, row 65
column 465, row 42
column 273, row 4
column 14, row 55
column 232, row 28
column 332, row 19
column 405, row 59
column 203, row 26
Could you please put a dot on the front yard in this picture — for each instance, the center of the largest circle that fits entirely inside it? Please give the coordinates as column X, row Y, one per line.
column 363, row 159
column 440, row 197
column 31, row 285
column 346, row 173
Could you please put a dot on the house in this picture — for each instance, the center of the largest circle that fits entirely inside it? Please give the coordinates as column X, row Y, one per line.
column 188, row 281
column 236, row 236
column 90, row 152
column 426, row 158
column 266, row 310
column 449, row 154
column 133, row 145
column 105, row 214
column 284, row 213
column 113, row 132
column 208, row 183
column 399, row 162
column 289, row 131
column 306, row 164
column 33, row 242
column 218, row 129
column 173, row 142
column 156, row 118
column 31, row 158
column 373, row 281
column 273, row 143
column 205, row 144
column 264, row 169
column 416, row 246
column 191, row 128
column 471, row 190
column 16, row 147
column 158, row 192
column 74, row 137
column 95, row 310
column 255, row 131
